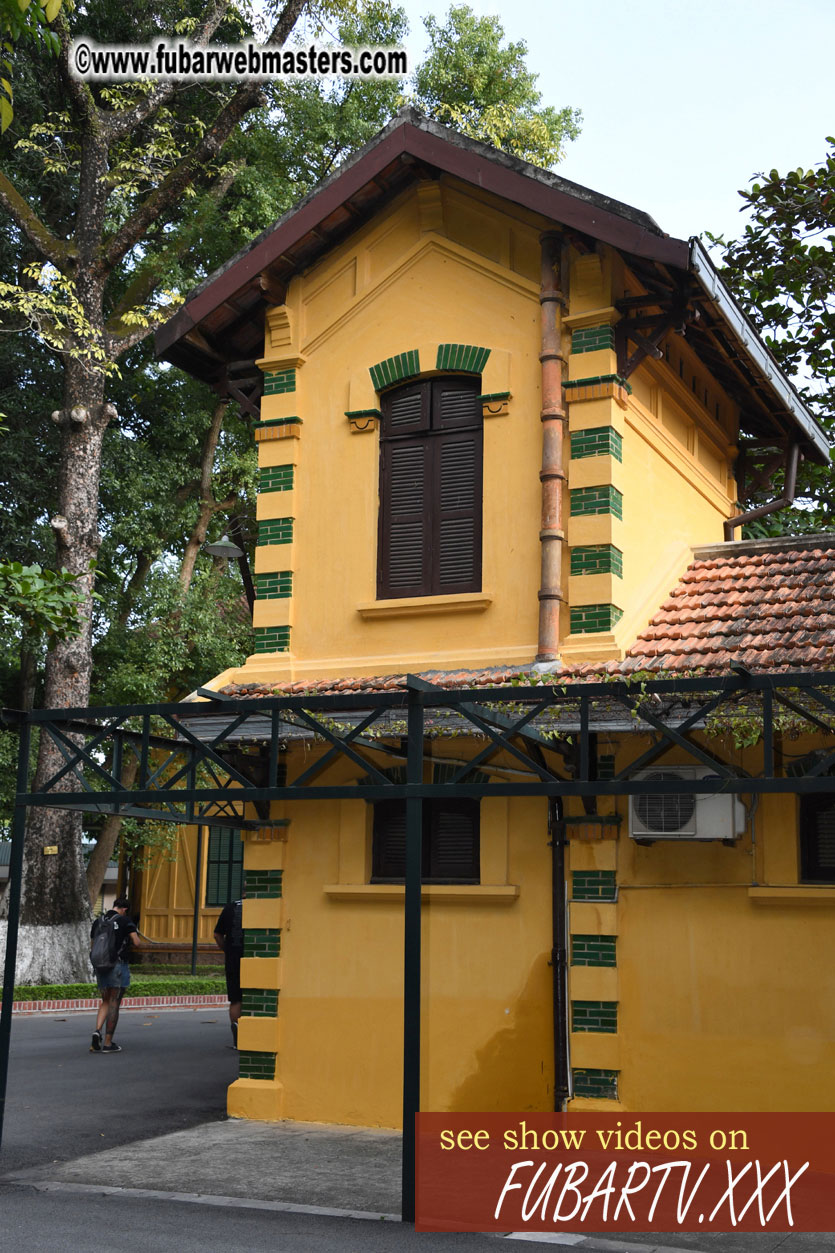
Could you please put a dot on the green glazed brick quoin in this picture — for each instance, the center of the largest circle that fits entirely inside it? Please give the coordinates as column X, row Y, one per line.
column 404, row 366
column 606, row 765
column 275, row 531
column 597, row 441
column 594, row 1016
column 464, row 357
column 593, row 885
column 279, row 381
column 589, row 501
column 276, row 478
column 599, row 1084
column 570, row 384
column 591, row 619
column 259, row 884
column 260, row 1003
column 278, row 586
column 593, row 950
column 596, row 559
column 256, row 1065
column 591, row 338
column 272, row 639
column 262, row 942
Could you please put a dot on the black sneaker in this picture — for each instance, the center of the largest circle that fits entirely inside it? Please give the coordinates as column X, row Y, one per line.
column 111, row 1048
column 96, row 1046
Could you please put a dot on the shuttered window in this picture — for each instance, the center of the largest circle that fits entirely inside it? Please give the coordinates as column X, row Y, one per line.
column 224, row 866
column 450, row 842
column 817, row 839
column 430, row 489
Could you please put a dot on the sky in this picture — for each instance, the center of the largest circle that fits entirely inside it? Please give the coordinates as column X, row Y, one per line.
column 682, row 102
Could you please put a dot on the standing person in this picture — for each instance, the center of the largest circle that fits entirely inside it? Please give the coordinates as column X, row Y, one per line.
column 115, row 979
column 229, row 936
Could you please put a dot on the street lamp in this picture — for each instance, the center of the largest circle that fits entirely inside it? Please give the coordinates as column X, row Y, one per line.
column 227, row 549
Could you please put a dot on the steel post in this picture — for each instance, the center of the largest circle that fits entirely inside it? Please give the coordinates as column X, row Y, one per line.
column 14, row 892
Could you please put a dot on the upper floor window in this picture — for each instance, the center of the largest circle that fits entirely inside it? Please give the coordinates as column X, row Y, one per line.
column 430, row 489
column 817, row 839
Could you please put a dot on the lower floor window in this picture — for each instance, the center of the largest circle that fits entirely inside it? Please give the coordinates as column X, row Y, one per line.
column 817, row 839
column 450, row 842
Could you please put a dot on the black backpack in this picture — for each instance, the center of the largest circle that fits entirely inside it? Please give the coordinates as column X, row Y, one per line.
column 104, row 946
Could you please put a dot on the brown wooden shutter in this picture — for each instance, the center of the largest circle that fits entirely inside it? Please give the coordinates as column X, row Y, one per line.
column 455, row 402
column 404, row 557
column 817, row 839
column 456, row 513
column 406, row 409
column 454, row 841
column 388, row 850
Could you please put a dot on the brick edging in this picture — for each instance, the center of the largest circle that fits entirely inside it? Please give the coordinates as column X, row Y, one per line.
column 129, row 1002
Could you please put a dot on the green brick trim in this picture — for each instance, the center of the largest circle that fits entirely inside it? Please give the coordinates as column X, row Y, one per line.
column 599, row 1016
column 593, row 950
column 275, row 531
column 256, row 1065
column 606, row 765
column 465, row 357
column 597, row 441
column 272, row 639
column 260, row 1003
column 592, row 619
column 277, row 586
column 570, row 384
column 279, row 381
column 260, row 884
column 276, row 478
column 262, row 942
column 404, row 366
column 363, row 413
column 487, row 397
column 587, row 501
column 277, row 422
column 593, row 885
column 596, row 559
column 597, row 1084
column 591, row 338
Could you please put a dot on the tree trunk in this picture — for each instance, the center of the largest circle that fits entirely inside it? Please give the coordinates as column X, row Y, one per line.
column 55, row 907
column 106, row 843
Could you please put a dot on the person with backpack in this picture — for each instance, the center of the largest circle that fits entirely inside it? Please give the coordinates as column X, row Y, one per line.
column 111, row 939
column 229, row 936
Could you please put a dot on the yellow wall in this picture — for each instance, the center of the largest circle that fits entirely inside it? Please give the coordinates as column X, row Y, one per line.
column 447, row 265
column 722, row 1001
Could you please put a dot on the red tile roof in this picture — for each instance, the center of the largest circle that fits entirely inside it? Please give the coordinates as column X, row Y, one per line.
column 769, row 604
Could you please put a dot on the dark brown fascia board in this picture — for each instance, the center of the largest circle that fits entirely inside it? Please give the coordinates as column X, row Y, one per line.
column 557, row 200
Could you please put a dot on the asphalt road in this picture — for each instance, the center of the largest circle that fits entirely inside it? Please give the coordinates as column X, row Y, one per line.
column 64, row 1101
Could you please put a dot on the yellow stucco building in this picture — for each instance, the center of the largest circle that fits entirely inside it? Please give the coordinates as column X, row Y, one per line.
column 500, row 433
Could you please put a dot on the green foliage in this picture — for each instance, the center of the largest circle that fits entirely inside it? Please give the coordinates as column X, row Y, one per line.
column 40, row 600
column 175, row 985
column 782, row 269
column 23, row 21
column 482, row 87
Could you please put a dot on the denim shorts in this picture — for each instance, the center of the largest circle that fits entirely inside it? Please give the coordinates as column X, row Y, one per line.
column 117, row 977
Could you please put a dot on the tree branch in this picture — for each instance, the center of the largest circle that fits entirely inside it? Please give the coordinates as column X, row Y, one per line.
column 246, row 98
column 22, row 213
column 147, row 279
column 124, row 123
column 79, row 92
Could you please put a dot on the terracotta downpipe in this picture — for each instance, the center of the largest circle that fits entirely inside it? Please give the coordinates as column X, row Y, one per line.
column 552, row 476
column 793, row 459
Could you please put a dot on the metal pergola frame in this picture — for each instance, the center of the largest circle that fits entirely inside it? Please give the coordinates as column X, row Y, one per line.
column 187, row 775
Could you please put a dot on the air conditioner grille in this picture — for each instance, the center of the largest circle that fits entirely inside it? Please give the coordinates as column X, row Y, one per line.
column 668, row 813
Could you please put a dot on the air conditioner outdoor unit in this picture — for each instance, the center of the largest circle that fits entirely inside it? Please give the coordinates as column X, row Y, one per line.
column 684, row 815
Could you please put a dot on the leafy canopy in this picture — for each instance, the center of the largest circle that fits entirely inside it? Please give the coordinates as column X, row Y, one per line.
column 782, row 268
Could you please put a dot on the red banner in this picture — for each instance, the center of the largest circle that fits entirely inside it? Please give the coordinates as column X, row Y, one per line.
column 595, row 1172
